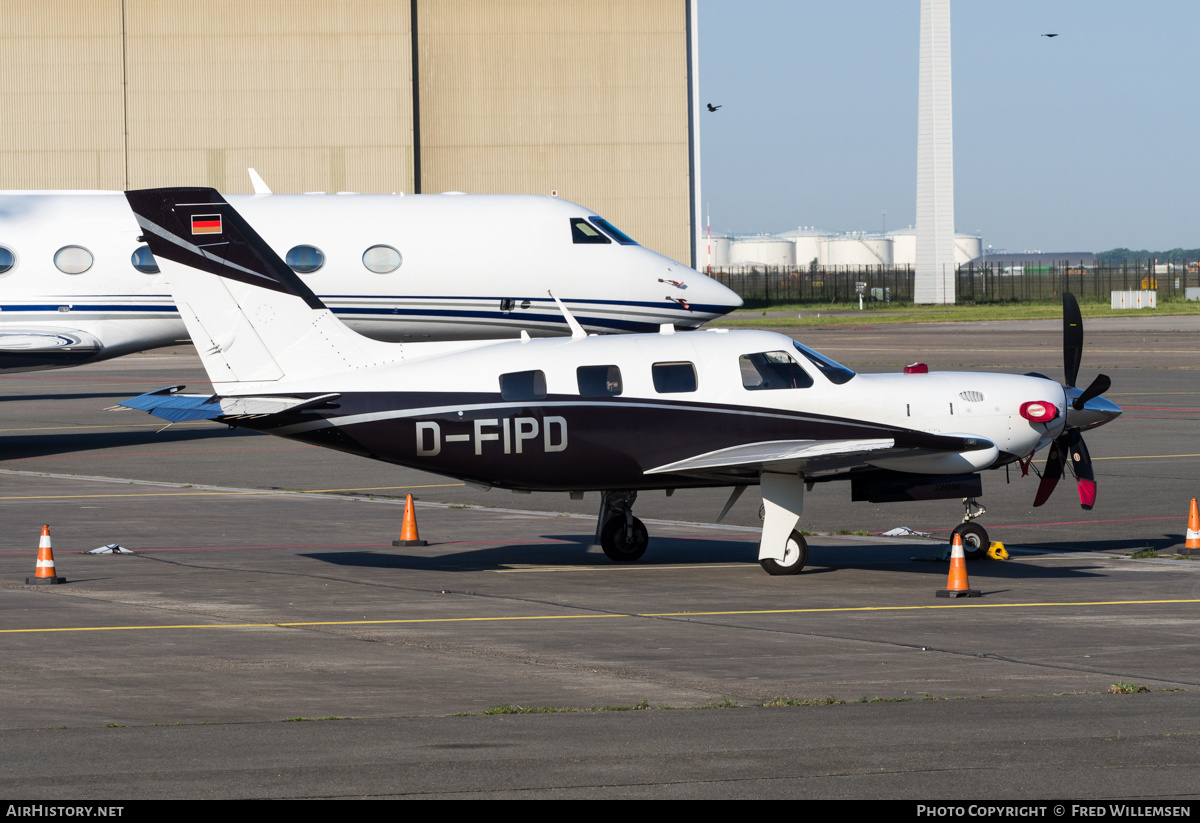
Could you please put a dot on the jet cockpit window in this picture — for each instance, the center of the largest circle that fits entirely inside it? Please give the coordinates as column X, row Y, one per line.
column 73, row 259
column 584, row 232
column 835, row 372
column 523, row 385
column 613, row 232
column 772, row 370
column 7, row 260
column 144, row 261
column 599, row 381
column 382, row 259
column 672, row 378
column 305, row 259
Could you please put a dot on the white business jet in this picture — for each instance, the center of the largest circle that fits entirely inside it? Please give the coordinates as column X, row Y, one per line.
column 615, row 414
column 76, row 286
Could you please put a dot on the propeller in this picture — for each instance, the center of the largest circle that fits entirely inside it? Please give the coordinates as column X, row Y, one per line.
column 1086, row 410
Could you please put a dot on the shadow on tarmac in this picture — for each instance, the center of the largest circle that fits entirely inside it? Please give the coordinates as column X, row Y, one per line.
column 20, row 446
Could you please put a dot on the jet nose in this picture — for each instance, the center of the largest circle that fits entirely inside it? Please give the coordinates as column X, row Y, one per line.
column 709, row 299
column 1096, row 412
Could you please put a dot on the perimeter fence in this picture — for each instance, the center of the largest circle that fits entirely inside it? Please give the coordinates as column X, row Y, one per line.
column 774, row 285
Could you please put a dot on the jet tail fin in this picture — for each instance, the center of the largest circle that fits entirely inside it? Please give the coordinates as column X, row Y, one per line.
column 251, row 318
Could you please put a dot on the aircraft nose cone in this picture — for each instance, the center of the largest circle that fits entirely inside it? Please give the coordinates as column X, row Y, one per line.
column 1096, row 412
column 708, row 298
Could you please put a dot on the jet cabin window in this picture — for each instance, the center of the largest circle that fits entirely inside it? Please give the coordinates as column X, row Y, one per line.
column 144, row 261
column 382, row 259
column 584, row 232
column 73, row 259
column 523, row 385
column 672, row 378
column 305, row 259
column 7, row 260
column 835, row 372
column 613, row 232
column 599, row 381
column 772, row 370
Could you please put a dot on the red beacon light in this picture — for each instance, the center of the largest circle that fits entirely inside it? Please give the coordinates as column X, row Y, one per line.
column 1039, row 411
column 916, row 368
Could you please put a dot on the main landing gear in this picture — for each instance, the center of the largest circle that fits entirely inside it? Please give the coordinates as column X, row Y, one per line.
column 782, row 549
column 622, row 536
column 974, row 536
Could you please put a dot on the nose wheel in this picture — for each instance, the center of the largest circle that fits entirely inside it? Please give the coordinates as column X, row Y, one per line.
column 974, row 539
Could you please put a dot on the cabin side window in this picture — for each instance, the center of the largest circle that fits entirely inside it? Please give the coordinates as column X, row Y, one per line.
column 672, row 378
column 73, row 259
column 144, row 261
column 304, row 259
column 599, row 381
column 523, row 385
column 8, row 260
column 382, row 259
column 772, row 370
column 584, row 232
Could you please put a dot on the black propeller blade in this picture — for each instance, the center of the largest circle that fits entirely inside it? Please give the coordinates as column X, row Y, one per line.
column 1081, row 464
column 1052, row 473
column 1072, row 337
column 1098, row 387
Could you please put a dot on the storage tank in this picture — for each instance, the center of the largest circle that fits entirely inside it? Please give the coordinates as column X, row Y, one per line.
column 714, row 251
column 762, row 251
column 904, row 247
column 809, row 244
column 967, row 247
column 859, row 251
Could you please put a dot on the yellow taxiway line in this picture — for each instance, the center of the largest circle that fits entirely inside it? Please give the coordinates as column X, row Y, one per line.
column 519, row 618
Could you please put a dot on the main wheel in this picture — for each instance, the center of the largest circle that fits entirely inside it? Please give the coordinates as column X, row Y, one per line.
column 975, row 540
column 795, row 555
column 621, row 547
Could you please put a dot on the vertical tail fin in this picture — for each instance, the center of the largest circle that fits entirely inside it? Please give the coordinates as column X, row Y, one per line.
column 251, row 318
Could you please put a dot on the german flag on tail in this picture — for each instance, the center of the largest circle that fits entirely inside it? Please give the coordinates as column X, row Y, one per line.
column 206, row 224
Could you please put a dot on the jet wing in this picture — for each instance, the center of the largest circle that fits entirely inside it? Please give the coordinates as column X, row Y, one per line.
column 170, row 405
column 812, row 456
column 32, row 348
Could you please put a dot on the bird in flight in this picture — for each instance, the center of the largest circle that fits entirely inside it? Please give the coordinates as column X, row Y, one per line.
column 711, row 107
column 1049, row 35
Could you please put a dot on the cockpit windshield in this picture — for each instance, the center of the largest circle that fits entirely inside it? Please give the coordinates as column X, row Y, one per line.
column 835, row 372
column 584, row 232
column 613, row 232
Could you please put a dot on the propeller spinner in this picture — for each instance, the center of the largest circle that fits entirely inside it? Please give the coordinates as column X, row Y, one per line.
column 1086, row 409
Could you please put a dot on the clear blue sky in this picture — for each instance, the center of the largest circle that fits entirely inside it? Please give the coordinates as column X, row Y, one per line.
column 1083, row 142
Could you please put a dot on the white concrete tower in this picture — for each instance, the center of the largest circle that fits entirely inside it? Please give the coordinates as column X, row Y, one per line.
column 935, row 160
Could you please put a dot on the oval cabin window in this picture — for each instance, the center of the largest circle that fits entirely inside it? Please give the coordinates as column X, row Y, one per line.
column 382, row 259
column 305, row 259
column 144, row 261
column 7, row 260
column 73, row 259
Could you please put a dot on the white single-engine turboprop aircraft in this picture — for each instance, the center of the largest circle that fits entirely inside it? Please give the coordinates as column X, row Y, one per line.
column 615, row 414
column 76, row 286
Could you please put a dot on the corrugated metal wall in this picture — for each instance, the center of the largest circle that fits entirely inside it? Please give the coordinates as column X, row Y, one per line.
column 589, row 99
column 61, row 95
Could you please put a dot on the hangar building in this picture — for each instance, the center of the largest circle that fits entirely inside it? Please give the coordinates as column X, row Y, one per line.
column 595, row 101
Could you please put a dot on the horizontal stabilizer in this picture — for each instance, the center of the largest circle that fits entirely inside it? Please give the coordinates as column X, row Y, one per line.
column 170, row 405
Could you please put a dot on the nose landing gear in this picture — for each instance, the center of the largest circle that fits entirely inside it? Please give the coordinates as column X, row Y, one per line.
column 974, row 536
column 623, row 537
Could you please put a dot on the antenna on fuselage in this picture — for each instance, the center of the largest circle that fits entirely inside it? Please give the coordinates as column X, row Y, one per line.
column 576, row 329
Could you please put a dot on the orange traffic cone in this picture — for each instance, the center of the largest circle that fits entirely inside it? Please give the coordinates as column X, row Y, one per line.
column 408, row 532
column 1193, row 531
column 957, row 585
column 45, row 563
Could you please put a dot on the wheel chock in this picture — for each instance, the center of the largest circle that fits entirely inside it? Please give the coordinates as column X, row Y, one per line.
column 996, row 551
